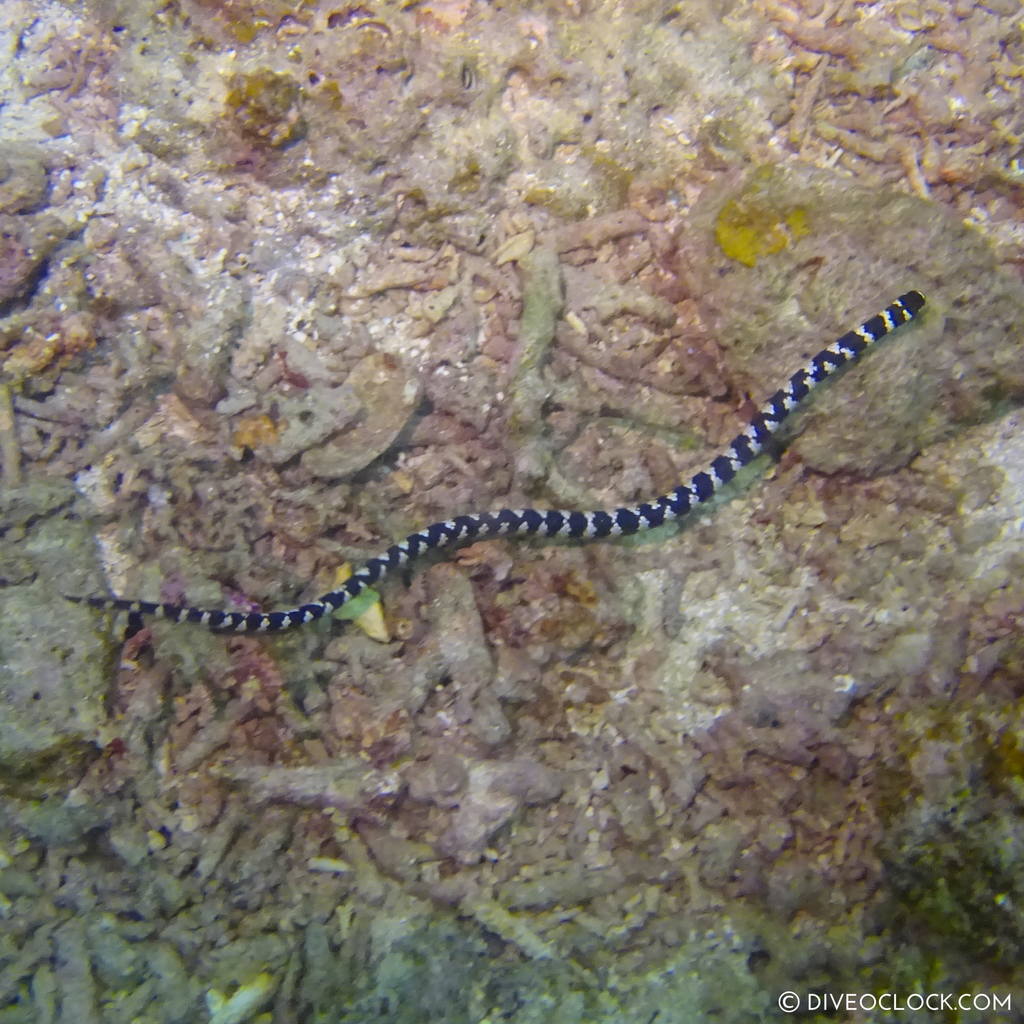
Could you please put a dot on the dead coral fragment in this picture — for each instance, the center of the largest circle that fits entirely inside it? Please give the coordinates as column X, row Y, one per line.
column 37, row 352
column 10, row 455
column 171, row 419
column 241, row 1006
column 25, row 243
column 387, row 395
column 349, row 785
column 494, row 793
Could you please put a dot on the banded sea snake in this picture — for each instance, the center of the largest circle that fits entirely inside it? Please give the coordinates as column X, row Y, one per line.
column 551, row 522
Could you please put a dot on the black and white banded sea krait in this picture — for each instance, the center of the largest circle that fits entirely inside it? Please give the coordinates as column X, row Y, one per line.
column 523, row 522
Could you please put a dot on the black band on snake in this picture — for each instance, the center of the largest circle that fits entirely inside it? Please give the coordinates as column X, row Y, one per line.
column 507, row 522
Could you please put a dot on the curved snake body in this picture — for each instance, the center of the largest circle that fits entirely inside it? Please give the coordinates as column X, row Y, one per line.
column 551, row 522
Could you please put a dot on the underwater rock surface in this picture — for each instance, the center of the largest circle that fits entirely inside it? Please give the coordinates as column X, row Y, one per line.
column 281, row 282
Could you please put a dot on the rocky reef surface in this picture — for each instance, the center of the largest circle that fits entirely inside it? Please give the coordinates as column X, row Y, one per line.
column 280, row 282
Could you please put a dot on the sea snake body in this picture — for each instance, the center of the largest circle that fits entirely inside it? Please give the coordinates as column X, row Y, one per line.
column 552, row 522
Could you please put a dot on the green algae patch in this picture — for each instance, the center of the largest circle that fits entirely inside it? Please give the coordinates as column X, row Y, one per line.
column 264, row 104
column 749, row 227
column 953, row 842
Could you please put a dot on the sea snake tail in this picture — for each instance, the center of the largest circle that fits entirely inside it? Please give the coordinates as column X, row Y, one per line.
column 552, row 522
